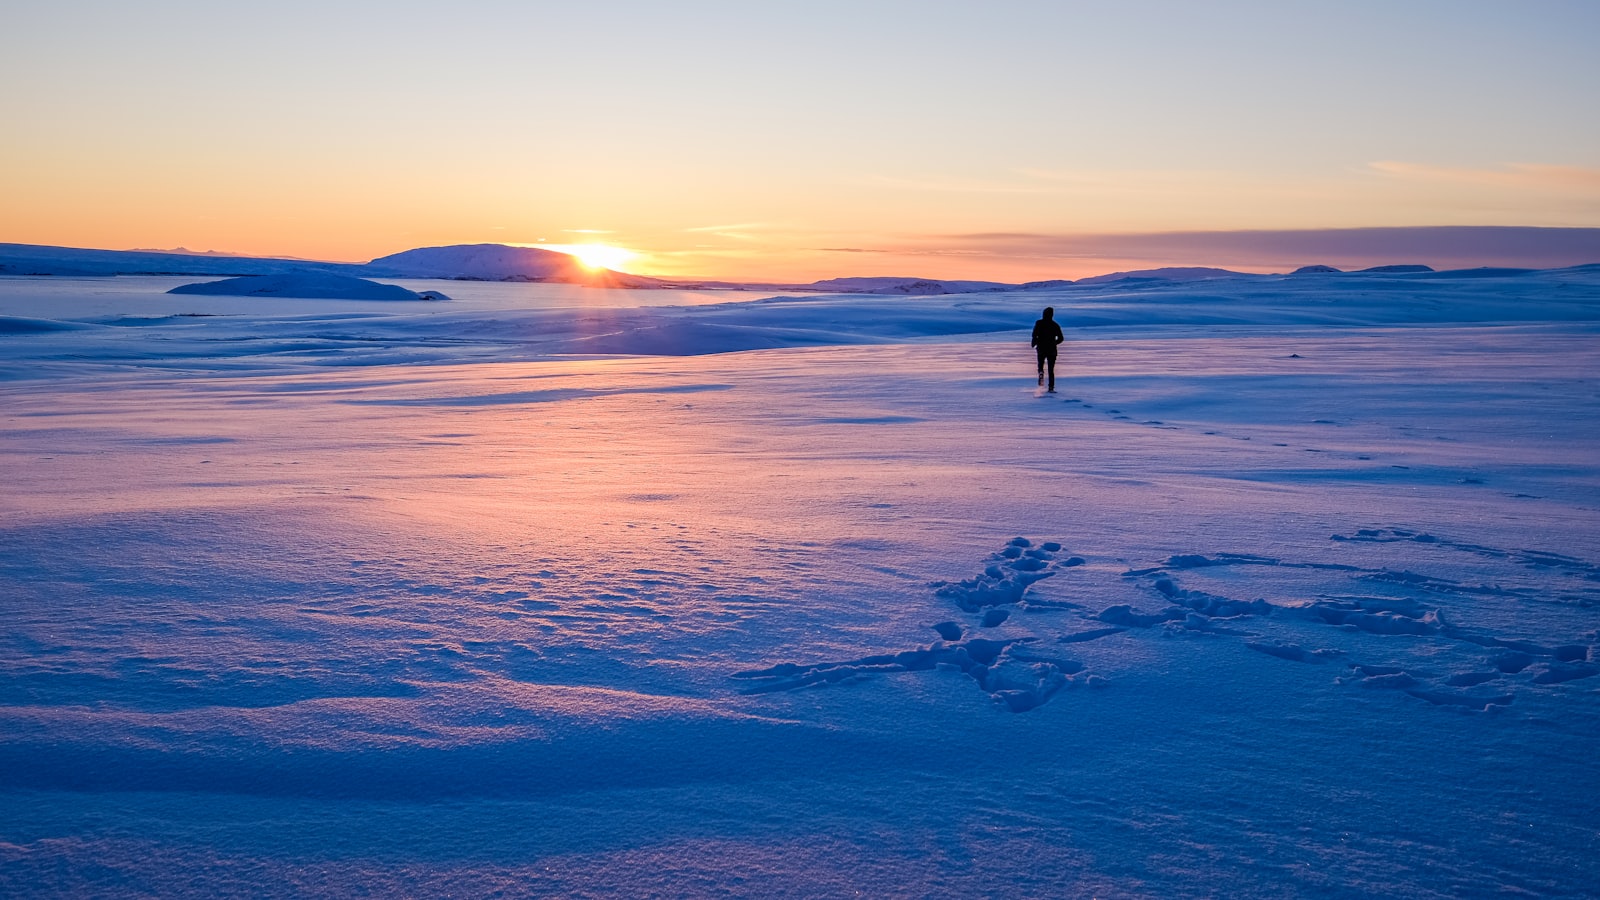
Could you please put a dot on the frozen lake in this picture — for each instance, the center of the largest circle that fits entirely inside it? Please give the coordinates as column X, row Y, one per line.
column 1294, row 589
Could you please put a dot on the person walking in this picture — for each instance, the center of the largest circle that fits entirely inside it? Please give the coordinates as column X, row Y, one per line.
column 1047, row 337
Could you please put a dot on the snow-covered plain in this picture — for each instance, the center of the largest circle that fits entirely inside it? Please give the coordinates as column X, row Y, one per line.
column 1293, row 590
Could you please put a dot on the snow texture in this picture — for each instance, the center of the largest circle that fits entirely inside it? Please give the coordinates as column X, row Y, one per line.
column 308, row 285
column 1292, row 590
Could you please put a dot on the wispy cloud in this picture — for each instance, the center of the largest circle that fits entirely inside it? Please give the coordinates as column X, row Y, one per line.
column 742, row 226
column 1126, row 197
column 737, row 232
column 957, row 186
column 1440, row 246
column 1522, row 176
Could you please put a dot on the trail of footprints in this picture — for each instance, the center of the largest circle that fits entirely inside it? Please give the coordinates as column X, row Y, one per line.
column 1020, row 675
column 1119, row 416
column 1013, row 672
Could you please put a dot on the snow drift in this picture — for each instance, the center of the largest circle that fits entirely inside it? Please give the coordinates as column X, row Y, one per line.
column 309, row 285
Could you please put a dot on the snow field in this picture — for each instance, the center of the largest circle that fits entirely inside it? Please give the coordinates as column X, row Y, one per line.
column 313, row 604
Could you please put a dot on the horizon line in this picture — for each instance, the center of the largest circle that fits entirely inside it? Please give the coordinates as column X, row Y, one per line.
column 1264, row 250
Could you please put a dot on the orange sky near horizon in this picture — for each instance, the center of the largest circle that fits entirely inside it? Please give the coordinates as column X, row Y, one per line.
column 788, row 144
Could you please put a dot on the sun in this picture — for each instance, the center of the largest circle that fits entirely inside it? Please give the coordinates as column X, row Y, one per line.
column 594, row 256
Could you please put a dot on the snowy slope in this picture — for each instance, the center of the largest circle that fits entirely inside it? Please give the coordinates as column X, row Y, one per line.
column 1292, row 590
column 498, row 262
column 34, row 259
column 486, row 261
column 308, row 285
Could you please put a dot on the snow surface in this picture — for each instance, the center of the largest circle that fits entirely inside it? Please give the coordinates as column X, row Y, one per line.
column 1293, row 590
column 306, row 285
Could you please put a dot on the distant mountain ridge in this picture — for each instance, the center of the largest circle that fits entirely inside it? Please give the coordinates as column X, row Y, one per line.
column 480, row 262
column 38, row 259
column 185, row 251
column 892, row 285
column 502, row 262
column 1169, row 273
column 486, row 261
column 1382, row 270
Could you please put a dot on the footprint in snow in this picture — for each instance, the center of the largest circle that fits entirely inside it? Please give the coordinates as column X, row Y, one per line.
column 1013, row 672
column 1016, row 674
column 1509, row 661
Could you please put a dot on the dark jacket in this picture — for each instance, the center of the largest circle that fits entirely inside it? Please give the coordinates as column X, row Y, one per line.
column 1046, row 335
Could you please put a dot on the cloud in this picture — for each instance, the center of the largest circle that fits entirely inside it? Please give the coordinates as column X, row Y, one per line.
column 1386, row 192
column 956, row 186
column 1087, row 181
column 714, row 229
column 1519, row 176
column 1438, row 246
column 739, row 232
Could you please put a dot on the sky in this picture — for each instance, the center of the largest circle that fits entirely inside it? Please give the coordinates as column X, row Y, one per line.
column 793, row 141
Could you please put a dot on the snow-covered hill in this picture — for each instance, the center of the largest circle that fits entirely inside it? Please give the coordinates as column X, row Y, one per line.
column 309, row 285
column 36, row 259
column 892, row 285
column 1169, row 273
column 499, row 262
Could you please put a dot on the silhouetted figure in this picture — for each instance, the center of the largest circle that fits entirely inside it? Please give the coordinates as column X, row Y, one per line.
column 1047, row 337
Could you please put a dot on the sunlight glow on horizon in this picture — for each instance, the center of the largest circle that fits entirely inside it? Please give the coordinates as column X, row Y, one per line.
column 592, row 256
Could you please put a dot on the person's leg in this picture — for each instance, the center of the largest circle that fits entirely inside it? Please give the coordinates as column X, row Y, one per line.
column 1041, row 368
column 1051, row 360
